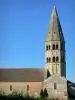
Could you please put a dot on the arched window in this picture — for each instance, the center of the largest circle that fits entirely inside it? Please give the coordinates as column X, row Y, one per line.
column 27, row 87
column 53, row 46
column 47, row 47
column 53, row 59
column 56, row 46
column 55, row 86
column 10, row 87
column 49, row 59
column 57, row 59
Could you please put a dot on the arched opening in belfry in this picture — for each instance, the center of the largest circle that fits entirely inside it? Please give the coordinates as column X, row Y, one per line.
column 53, row 59
column 47, row 47
column 53, row 47
column 47, row 60
column 56, row 46
column 57, row 59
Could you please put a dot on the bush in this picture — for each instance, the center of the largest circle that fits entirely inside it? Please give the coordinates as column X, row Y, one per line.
column 20, row 96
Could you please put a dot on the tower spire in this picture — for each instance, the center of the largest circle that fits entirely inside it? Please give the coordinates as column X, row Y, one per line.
column 54, row 29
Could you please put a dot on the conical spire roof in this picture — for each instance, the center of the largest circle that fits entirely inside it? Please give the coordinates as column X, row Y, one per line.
column 54, row 29
column 54, row 13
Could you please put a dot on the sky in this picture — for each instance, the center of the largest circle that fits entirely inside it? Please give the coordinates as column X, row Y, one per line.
column 23, row 29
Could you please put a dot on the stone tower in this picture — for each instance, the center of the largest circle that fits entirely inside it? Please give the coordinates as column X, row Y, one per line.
column 55, row 48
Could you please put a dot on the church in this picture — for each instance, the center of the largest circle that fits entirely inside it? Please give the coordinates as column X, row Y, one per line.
column 52, row 77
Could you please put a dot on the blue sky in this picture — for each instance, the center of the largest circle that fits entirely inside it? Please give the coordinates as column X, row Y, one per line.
column 23, row 28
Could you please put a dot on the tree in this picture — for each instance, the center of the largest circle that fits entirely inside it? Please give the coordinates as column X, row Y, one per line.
column 41, row 93
column 45, row 93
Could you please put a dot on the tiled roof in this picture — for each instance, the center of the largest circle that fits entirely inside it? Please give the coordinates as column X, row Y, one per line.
column 22, row 75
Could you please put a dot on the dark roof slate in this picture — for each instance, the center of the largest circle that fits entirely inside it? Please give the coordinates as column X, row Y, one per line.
column 22, row 75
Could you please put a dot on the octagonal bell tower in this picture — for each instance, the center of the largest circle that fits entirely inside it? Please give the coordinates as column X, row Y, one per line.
column 55, row 62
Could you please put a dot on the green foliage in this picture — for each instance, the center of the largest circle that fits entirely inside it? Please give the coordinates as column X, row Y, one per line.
column 20, row 96
column 41, row 93
column 15, row 96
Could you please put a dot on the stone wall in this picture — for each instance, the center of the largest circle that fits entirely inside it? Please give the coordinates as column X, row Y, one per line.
column 58, row 91
column 58, row 67
column 34, row 87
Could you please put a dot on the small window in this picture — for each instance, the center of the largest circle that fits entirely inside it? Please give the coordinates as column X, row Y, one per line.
column 53, row 46
column 27, row 87
column 55, row 86
column 47, row 47
column 56, row 46
column 57, row 59
column 10, row 87
column 53, row 59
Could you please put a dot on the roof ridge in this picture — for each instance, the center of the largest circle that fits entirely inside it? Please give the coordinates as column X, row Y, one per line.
column 21, row 68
